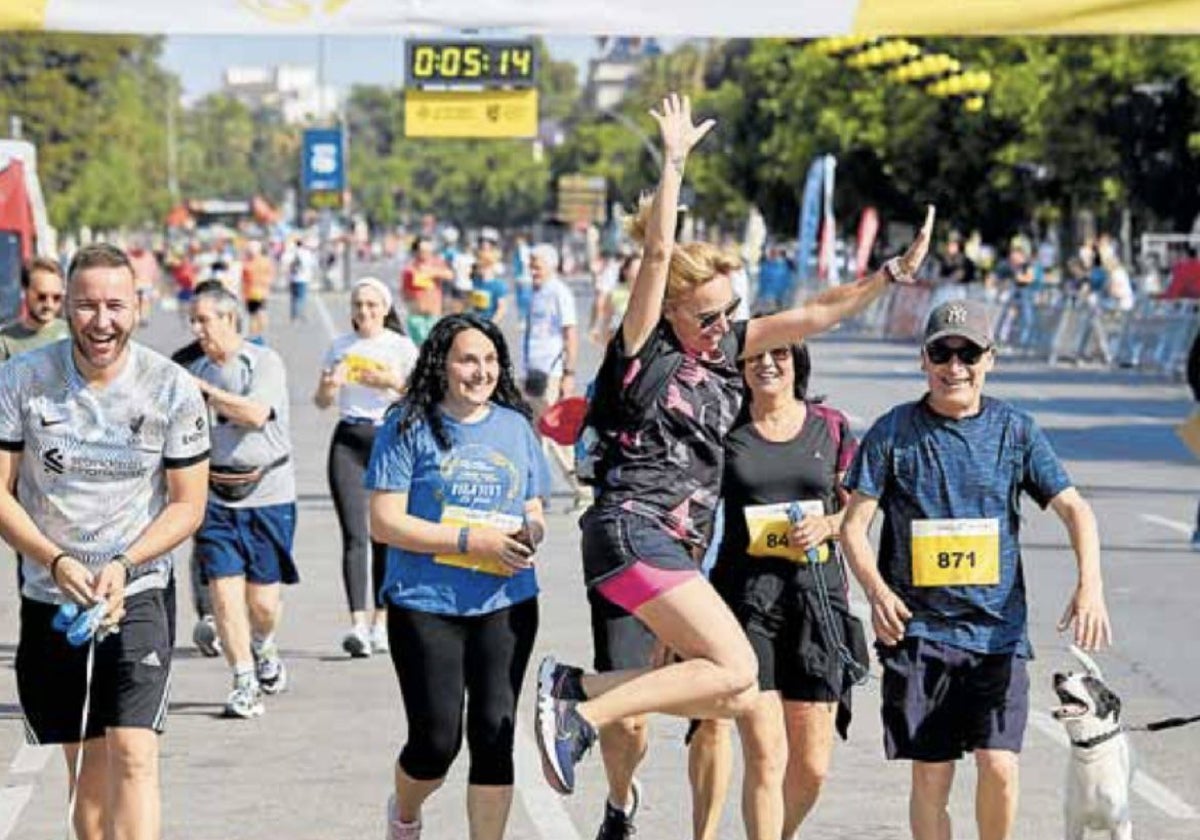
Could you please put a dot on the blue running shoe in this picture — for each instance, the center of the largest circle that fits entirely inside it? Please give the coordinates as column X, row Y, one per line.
column 563, row 736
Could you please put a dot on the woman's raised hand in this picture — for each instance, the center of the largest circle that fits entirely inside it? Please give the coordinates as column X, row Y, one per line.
column 679, row 134
column 910, row 262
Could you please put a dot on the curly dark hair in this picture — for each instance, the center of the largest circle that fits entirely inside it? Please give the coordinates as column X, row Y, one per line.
column 427, row 383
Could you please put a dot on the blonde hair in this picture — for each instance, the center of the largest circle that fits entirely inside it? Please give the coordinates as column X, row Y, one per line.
column 692, row 263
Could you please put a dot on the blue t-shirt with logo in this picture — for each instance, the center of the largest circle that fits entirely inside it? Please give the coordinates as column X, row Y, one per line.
column 486, row 296
column 494, row 465
column 920, row 465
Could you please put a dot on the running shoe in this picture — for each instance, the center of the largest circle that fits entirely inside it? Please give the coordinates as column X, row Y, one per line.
column 205, row 638
column 379, row 639
column 397, row 828
column 271, row 672
column 245, row 701
column 1196, row 540
column 357, row 642
column 618, row 824
column 563, row 735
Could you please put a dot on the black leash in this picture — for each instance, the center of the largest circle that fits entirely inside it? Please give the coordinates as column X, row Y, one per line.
column 1165, row 723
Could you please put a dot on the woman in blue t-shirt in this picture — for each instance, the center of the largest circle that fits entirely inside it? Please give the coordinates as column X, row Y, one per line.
column 458, row 477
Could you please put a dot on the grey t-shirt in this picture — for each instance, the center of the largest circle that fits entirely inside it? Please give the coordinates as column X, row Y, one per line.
column 257, row 373
column 17, row 338
column 94, row 459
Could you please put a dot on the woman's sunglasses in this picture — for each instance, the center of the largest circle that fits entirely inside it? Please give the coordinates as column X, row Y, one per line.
column 779, row 355
column 940, row 353
column 709, row 319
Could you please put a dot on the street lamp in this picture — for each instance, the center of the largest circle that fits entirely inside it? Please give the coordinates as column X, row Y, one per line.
column 636, row 129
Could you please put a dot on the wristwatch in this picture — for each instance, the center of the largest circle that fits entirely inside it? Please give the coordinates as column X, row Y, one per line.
column 895, row 272
column 126, row 564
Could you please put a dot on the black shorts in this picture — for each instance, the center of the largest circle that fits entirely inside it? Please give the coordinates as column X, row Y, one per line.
column 620, row 640
column 130, row 681
column 941, row 701
column 613, row 540
column 775, row 602
column 255, row 306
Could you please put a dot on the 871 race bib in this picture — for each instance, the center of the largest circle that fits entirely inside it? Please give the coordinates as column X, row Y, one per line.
column 955, row 552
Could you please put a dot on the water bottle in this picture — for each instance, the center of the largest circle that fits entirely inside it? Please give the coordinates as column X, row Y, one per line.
column 65, row 616
column 86, row 625
column 795, row 517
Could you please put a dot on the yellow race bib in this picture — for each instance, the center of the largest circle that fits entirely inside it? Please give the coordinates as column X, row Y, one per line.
column 356, row 366
column 956, row 552
column 459, row 516
column 769, row 530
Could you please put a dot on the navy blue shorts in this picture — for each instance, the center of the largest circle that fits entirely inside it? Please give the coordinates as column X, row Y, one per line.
column 613, row 540
column 941, row 701
column 255, row 543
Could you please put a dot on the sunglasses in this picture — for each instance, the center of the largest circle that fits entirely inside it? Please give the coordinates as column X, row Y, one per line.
column 708, row 320
column 779, row 355
column 940, row 353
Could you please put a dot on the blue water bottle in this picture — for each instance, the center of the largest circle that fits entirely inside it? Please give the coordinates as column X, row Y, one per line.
column 795, row 517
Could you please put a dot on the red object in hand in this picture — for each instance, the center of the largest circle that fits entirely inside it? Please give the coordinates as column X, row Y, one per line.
column 562, row 421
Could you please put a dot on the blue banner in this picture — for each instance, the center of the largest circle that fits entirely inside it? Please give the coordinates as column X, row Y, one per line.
column 810, row 219
column 323, row 161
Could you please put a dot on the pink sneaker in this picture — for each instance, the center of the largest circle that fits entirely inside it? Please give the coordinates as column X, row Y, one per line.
column 397, row 828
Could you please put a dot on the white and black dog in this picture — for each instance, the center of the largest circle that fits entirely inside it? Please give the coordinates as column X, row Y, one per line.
column 1101, row 768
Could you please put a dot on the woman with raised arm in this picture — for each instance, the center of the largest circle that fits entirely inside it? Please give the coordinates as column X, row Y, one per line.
column 666, row 397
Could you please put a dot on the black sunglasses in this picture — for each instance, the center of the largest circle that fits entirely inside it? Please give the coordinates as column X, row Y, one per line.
column 777, row 354
column 940, row 353
column 709, row 319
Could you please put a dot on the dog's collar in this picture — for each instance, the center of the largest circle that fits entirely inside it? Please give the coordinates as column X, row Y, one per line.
column 1097, row 740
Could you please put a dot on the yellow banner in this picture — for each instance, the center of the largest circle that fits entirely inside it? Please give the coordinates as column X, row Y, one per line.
column 22, row 14
column 485, row 113
column 1006, row 17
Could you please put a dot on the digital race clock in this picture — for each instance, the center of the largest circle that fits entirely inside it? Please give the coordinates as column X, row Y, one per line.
column 470, row 63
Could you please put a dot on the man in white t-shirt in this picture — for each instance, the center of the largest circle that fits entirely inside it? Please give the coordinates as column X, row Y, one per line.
column 103, row 470
column 550, row 350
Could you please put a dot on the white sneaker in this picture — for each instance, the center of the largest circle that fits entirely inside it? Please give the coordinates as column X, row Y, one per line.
column 245, row 701
column 357, row 642
column 205, row 638
column 379, row 639
column 397, row 828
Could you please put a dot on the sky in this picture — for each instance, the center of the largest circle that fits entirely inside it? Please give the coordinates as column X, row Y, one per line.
column 199, row 60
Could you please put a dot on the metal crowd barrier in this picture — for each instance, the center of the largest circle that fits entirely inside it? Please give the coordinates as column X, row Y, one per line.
column 1049, row 324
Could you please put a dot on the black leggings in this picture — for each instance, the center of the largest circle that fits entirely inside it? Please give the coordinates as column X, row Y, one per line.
column 441, row 658
column 348, row 456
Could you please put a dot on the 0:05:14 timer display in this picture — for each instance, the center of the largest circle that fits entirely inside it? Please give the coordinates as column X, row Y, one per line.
column 497, row 63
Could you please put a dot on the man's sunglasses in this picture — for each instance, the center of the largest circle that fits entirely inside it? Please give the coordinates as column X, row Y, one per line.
column 709, row 319
column 940, row 353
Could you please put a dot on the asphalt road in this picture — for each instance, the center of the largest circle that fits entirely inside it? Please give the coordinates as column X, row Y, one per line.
column 318, row 765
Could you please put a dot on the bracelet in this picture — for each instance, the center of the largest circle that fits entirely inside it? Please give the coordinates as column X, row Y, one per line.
column 54, row 565
column 463, row 539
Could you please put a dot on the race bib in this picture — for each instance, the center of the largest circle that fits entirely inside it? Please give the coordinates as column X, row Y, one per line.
column 481, row 299
column 356, row 366
column 956, row 552
column 422, row 281
column 459, row 516
column 769, row 527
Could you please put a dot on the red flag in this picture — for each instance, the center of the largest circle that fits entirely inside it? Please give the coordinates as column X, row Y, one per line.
column 868, row 229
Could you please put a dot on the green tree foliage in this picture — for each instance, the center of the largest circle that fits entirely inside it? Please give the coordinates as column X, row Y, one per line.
column 93, row 107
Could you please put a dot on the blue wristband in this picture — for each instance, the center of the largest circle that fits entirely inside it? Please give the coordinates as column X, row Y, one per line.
column 463, row 534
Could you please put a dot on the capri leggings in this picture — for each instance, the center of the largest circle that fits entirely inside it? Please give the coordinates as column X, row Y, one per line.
column 444, row 661
column 348, row 456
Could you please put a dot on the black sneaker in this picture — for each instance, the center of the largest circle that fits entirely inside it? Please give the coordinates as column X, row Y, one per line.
column 563, row 735
column 617, row 824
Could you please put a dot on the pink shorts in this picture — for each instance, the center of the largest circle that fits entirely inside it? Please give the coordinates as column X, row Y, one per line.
column 641, row 582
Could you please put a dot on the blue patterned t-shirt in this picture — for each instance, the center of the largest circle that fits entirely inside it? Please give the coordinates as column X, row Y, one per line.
column 920, row 465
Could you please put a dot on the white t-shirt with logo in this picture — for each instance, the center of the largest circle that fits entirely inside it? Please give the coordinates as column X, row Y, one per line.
column 389, row 350
column 94, row 459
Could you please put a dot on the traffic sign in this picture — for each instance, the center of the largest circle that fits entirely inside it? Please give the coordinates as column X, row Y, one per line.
column 323, row 164
column 478, row 113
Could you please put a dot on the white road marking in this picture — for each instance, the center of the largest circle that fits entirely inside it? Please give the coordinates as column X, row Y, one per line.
column 1174, row 525
column 326, row 320
column 30, row 759
column 1146, row 786
column 13, row 800
column 542, row 804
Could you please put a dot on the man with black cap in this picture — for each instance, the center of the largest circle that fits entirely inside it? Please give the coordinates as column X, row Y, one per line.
column 947, row 591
